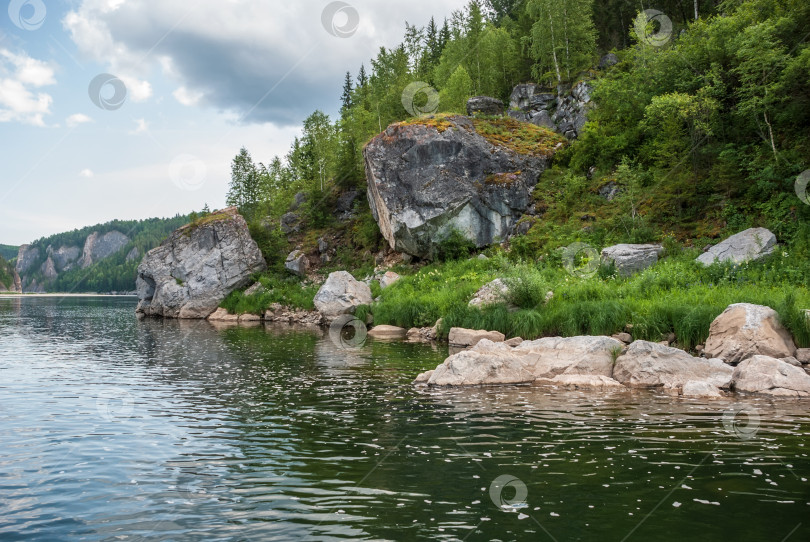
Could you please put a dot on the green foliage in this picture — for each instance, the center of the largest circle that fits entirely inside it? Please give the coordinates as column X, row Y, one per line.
column 453, row 97
column 563, row 38
column 8, row 252
column 6, row 274
column 456, row 245
column 287, row 292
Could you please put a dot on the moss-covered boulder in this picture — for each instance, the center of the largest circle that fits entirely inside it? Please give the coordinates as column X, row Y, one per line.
column 431, row 176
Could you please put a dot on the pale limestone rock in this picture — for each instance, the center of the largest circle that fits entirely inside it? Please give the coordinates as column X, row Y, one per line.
column 745, row 330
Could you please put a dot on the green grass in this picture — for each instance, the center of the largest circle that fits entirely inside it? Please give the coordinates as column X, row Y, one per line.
column 676, row 296
column 285, row 291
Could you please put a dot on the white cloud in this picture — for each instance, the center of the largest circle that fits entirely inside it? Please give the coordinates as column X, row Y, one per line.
column 77, row 119
column 87, row 173
column 19, row 75
column 187, row 97
column 141, row 126
column 275, row 60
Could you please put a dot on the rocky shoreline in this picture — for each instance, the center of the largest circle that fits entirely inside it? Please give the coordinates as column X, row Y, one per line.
column 748, row 351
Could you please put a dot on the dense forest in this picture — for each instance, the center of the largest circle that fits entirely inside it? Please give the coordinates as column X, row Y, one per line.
column 704, row 129
column 8, row 252
column 6, row 274
column 112, row 274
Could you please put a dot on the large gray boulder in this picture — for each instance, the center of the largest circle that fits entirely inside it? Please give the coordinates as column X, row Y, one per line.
column 745, row 246
column 630, row 259
column 97, row 247
column 434, row 176
column 191, row 272
column 341, row 294
column 744, row 330
column 651, row 365
column 470, row 337
column 770, row 376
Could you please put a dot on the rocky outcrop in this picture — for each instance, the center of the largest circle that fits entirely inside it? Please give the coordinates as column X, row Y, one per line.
column 133, row 254
column 745, row 330
column 630, row 259
column 746, row 246
column 484, row 105
column 770, row 376
column 652, row 365
column 341, row 294
column 427, row 180
column 470, row 337
column 565, row 113
column 48, row 269
column 190, row 274
column 97, row 247
column 27, row 257
column 64, row 257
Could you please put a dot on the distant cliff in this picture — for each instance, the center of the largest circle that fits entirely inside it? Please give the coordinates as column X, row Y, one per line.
column 101, row 258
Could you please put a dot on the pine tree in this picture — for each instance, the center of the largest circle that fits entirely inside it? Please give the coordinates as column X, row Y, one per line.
column 362, row 78
column 346, row 99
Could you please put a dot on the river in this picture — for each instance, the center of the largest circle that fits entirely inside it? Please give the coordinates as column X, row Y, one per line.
column 116, row 429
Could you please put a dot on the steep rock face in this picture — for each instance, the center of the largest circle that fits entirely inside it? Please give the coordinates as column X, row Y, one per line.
column 565, row 113
column 64, row 257
column 428, row 179
column 97, row 247
column 27, row 257
column 190, row 274
column 49, row 269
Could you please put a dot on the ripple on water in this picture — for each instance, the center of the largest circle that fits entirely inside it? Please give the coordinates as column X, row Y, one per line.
column 114, row 429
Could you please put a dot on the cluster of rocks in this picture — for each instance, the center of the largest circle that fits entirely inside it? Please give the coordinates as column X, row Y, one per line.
column 291, row 222
column 277, row 314
column 565, row 113
column 748, row 351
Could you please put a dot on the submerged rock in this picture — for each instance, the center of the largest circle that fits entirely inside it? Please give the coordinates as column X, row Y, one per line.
column 553, row 356
column 387, row 332
column 191, row 272
column 748, row 245
column 431, row 178
column 745, row 330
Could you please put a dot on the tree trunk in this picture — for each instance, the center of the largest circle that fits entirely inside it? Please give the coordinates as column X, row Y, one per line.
column 696, row 9
column 554, row 50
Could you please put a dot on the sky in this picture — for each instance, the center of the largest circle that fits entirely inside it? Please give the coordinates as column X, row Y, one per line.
column 131, row 109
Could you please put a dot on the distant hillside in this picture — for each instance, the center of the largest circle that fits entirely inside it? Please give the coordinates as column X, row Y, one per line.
column 102, row 258
column 6, row 275
column 8, row 252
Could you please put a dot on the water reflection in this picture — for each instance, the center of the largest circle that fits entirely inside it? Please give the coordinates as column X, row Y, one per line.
column 115, row 429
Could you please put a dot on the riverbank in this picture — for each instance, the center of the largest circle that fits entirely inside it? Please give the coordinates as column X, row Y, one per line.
column 675, row 300
column 17, row 294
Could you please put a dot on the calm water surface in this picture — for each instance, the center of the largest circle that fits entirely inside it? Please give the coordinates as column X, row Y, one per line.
column 120, row 430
